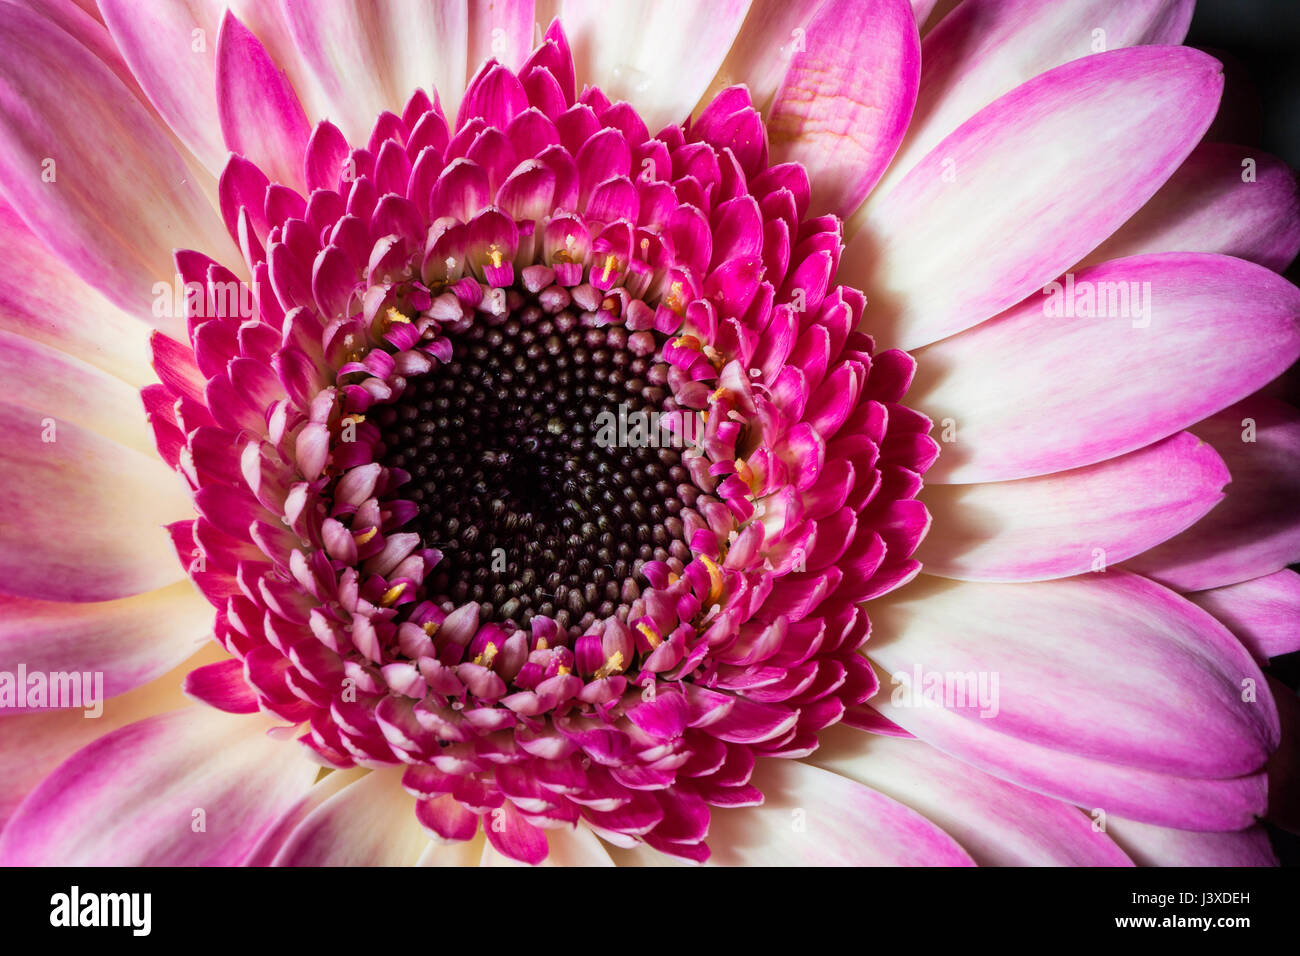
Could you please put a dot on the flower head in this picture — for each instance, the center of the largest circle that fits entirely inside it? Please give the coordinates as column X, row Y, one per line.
column 545, row 480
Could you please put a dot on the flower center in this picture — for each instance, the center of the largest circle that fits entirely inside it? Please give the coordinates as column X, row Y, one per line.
column 534, row 508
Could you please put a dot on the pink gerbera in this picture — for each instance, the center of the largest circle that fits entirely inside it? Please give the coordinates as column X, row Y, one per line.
column 542, row 438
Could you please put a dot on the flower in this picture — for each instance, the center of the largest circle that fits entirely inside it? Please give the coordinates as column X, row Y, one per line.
column 551, row 482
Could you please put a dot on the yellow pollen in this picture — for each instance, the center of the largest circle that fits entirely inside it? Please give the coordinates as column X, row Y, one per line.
column 611, row 265
column 395, row 315
column 715, row 578
column 718, row 395
column 489, row 654
column 674, row 299
column 541, row 644
column 686, row 342
column 365, row 536
column 563, row 671
column 392, row 594
column 494, row 255
column 430, row 628
column 650, row 633
column 612, row 665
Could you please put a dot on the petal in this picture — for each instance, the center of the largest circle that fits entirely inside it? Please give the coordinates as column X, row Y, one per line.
column 190, row 787
column 576, row 846
column 843, row 105
column 1162, row 846
column 1074, row 521
column 128, row 642
column 273, row 839
column 261, row 118
column 1074, row 389
column 1233, row 200
column 370, row 822
column 366, row 57
column 998, row 823
column 813, row 817
column 54, row 383
column 989, row 47
column 1263, row 612
column 658, row 55
column 1256, row 530
column 84, row 515
column 32, row 745
column 1006, row 191
column 1107, row 691
column 501, row 29
column 120, row 198
column 43, row 300
column 768, row 40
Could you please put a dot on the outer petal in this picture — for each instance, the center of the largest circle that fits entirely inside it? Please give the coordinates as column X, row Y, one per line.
column 130, row 641
column 1074, row 521
column 1003, row 204
column 370, row 822
column 1263, row 612
column 61, row 105
column 1162, row 846
column 265, row 852
column 843, row 105
column 1134, row 376
column 1256, row 530
column 568, row 847
column 1108, row 666
column 989, row 47
column 768, row 40
column 1229, row 199
column 500, row 29
column 134, row 796
column 813, row 817
column 33, row 745
column 368, row 57
column 84, row 515
column 658, row 55
column 43, row 300
column 998, row 823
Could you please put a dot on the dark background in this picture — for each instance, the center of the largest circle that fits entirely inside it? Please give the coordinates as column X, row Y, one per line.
column 1259, row 44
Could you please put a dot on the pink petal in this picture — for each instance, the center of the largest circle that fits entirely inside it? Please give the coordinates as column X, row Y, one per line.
column 844, row 104
column 1256, row 530
column 1074, row 390
column 1073, row 521
column 576, row 846
column 1162, row 846
column 768, row 40
column 1006, row 190
column 131, row 797
column 1263, row 612
column 1229, row 199
column 998, row 823
column 61, row 105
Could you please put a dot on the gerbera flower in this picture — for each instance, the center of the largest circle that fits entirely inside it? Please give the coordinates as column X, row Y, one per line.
column 535, row 417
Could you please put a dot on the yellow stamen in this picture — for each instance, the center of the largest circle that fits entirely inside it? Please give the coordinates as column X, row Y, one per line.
column 715, row 578
column 563, row 671
column 365, row 536
column 650, row 633
column 541, row 644
column 489, row 654
column 611, row 263
column 717, row 396
column 392, row 594
column 612, row 665
column 395, row 315
column 430, row 628
column 494, row 255
column 687, row 342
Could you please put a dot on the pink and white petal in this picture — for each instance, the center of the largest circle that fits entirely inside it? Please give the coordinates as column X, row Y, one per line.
column 83, row 517
column 989, row 47
column 269, row 846
column 33, row 744
column 261, row 117
column 569, row 846
column 1137, row 373
column 658, row 55
column 85, row 27
column 813, row 817
column 1107, row 666
column 1234, row 200
column 1003, row 205
column 1263, row 612
column 69, row 130
column 998, row 823
column 1071, row 522
column 843, row 105
column 500, row 29
column 1256, row 530
column 463, row 853
column 65, row 388
column 365, row 57
column 1162, row 846
column 370, row 822
column 764, row 47
column 44, row 300
column 136, row 796
column 129, row 642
